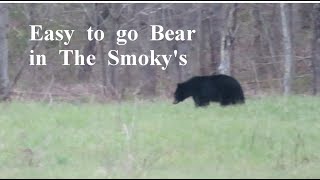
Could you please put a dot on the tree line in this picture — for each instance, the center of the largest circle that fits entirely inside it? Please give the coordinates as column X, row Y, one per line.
column 271, row 48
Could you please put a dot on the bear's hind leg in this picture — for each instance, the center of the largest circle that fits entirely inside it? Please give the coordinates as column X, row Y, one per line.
column 225, row 102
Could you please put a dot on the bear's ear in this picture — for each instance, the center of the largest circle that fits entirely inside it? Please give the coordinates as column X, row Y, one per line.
column 179, row 84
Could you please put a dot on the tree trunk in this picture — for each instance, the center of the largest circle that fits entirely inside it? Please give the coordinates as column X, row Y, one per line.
column 258, row 44
column 267, row 35
column 316, row 49
column 234, row 25
column 173, row 45
column 204, row 29
column 86, row 70
column 150, row 86
column 176, row 46
column 4, row 77
column 287, row 83
column 262, row 43
column 95, row 19
column 227, row 40
column 215, row 36
column 89, row 47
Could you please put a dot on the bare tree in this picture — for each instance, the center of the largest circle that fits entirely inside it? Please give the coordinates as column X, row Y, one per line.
column 287, row 83
column 227, row 39
column 215, row 36
column 4, row 77
column 258, row 41
column 204, row 23
column 263, row 46
column 170, row 19
column 316, row 49
column 95, row 16
column 148, row 88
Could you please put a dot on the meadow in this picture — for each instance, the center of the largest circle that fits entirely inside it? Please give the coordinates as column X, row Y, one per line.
column 269, row 137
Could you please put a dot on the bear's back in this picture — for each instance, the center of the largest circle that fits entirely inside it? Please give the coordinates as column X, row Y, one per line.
column 224, row 79
column 219, row 81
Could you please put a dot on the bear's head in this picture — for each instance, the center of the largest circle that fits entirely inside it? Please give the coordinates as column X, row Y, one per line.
column 180, row 94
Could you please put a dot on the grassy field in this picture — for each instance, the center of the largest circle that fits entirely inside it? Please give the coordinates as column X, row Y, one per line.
column 272, row 137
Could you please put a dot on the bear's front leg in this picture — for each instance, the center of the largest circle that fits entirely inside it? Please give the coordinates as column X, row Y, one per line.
column 200, row 101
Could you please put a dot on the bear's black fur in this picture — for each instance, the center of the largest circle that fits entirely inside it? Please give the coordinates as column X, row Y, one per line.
column 215, row 88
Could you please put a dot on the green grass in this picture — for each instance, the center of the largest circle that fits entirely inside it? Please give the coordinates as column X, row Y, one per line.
column 272, row 137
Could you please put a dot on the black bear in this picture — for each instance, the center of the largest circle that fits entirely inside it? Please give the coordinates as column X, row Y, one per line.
column 216, row 88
